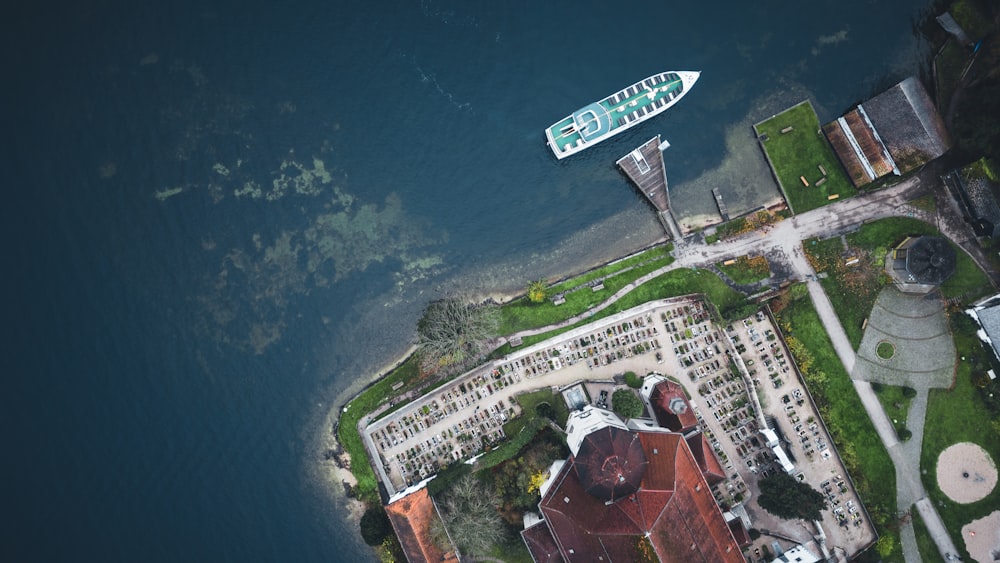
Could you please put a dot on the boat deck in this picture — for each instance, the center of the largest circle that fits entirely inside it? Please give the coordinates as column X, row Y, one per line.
column 594, row 122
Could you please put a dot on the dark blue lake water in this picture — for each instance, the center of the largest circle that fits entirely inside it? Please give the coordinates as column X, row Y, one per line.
column 223, row 217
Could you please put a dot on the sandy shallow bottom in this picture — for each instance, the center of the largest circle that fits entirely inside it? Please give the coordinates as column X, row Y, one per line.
column 966, row 473
column 982, row 538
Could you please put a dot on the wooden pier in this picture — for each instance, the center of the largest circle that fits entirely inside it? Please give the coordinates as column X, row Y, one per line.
column 644, row 166
column 722, row 205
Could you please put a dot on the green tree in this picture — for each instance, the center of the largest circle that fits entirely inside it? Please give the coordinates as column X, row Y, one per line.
column 537, row 291
column 375, row 526
column 633, row 380
column 787, row 497
column 885, row 545
column 626, row 403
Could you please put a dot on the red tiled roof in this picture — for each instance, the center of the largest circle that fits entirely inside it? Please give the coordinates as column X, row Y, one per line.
column 671, row 407
column 541, row 544
column 610, row 463
column 705, row 456
column 660, row 448
column 740, row 533
column 692, row 527
column 673, row 504
column 411, row 517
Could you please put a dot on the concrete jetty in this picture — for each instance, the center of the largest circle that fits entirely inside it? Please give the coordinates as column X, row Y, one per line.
column 644, row 166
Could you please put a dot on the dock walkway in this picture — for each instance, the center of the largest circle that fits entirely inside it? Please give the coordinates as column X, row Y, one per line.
column 644, row 166
column 722, row 204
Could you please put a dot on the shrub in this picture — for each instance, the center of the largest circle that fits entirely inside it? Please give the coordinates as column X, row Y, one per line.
column 537, row 291
column 909, row 392
column 626, row 404
column 885, row 545
column 633, row 380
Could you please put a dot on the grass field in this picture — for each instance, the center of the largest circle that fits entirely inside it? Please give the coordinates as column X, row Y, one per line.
column 895, row 403
column 530, row 402
column 799, row 153
column 522, row 314
column 367, row 401
column 960, row 415
column 925, row 544
column 670, row 284
column 852, row 431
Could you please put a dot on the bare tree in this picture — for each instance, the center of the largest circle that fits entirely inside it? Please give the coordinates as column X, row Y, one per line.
column 454, row 333
column 469, row 512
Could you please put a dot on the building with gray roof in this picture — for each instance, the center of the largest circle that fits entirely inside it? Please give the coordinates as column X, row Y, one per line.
column 919, row 264
column 987, row 313
column 896, row 131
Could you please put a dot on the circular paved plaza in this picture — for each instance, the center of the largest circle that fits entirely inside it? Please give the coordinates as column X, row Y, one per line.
column 916, row 329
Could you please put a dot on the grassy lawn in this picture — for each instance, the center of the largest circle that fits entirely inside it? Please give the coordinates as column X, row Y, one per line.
column 522, row 314
column 960, row 415
column 969, row 282
column 852, row 431
column 530, row 403
column 854, row 289
column 510, row 447
column 682, row 282
column 655, row 253
column 367, row 401
column 895, row 403
column 746, row 270
column 800, row 152
column 671, row 284
column 513, row 550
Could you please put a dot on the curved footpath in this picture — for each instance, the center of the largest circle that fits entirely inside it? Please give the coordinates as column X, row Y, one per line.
column 783, row 242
